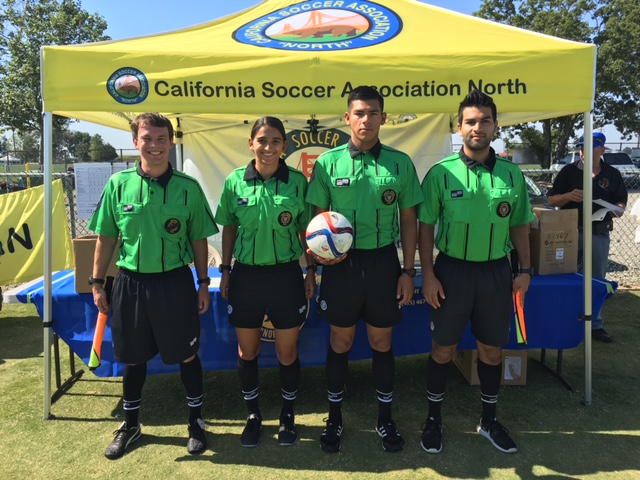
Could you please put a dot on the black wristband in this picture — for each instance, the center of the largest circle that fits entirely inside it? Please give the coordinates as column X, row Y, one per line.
column 312, row 267
column 96, row 281
column 205, row 280
column 222, row 268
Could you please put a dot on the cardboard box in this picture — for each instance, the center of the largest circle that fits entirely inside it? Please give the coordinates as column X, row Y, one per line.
column 554, row 241
column 83, row 251
column 514, row 366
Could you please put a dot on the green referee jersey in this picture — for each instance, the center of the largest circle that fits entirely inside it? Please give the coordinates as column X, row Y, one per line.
column 368, row 188
column 474, row 206
column 269, row 214
column 156, row 218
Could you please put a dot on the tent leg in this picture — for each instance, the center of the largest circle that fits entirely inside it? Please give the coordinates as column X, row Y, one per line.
column 48, row 263
column 587, row 251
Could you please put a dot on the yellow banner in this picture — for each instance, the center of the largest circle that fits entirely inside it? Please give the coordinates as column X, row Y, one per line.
column 22, row 234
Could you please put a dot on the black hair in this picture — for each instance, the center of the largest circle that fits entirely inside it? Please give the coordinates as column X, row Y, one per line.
column 477, row 99
column 153, row 119
column 365, row 93
column 269, row 122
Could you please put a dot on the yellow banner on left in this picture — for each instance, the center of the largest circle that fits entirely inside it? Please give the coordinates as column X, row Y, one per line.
column 22, row 234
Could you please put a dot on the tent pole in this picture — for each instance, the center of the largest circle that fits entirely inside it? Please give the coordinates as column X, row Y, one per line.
column 587, row 248
column 179, row 151
column 48, row 253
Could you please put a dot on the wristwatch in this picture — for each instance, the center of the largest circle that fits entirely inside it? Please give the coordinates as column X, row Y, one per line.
column 205, row 280
column 222, row 268
column 528, row 271
column 96, row 281
column 409, row 271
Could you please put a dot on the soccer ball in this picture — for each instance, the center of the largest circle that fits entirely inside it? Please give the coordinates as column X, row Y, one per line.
column 329, row 235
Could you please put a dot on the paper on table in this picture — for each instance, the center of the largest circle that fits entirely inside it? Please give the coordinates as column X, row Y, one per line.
column 608, row 207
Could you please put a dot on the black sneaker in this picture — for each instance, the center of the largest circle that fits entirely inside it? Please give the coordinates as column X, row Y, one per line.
column 251, row 434
column 392, row 441
column 497, row 435
column 432, row 435
column 197, row 439
column 123, row 437
column 287, row 435
column 330, row 438
column 601, row 335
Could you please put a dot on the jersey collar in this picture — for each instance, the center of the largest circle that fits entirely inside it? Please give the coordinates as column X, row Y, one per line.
column 489, row 163
column 355, row 151
column 163, row 180
column 281, row 174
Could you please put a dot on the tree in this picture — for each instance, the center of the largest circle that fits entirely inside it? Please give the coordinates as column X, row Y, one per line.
column 613, row 26
column 76, row 145
column 100, row 151
column 618, row 66
column 28, row 147
column 26, row 26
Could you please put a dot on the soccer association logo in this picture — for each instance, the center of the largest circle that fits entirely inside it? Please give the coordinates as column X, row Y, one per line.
column 322, row 26
column 285, row 219
column 172, row 226
column 389, row 197
column 268, row 331
column 603, row 183
column 503, row 210
column 128, row 86
column 305, row 146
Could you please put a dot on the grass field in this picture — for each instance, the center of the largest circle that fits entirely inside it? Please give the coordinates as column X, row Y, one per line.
column 558, row 437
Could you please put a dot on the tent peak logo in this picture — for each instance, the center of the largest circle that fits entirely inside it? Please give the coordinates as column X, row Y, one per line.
column 128, row 86
column 325, row 25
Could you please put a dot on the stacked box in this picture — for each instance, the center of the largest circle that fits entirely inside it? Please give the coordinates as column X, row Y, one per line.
column 514, row 366
column 83, row 251
column 554, row 241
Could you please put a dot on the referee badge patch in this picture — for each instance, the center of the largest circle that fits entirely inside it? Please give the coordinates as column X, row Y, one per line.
column 456, row 193
column 603, row 183
column 389, row 197
column 243, row 201
column 504, row 209
column 285, row 219
column 172, row 225
column 343, row 182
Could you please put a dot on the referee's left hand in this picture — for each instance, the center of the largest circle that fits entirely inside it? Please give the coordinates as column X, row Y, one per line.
column 521, row 283
column 404, row 290
column 203, row 299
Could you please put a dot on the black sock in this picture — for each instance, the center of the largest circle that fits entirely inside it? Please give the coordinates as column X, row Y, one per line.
column 436, row 384
column 191, row 375
column 289, row 383
column 489, row 376
column 384, row 371
column 336, row 368
column 133, row 380
column 248, row 373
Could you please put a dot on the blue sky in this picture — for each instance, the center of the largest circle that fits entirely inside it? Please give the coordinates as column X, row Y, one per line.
column 134, row 18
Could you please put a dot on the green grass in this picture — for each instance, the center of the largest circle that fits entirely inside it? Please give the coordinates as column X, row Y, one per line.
column 558, row 437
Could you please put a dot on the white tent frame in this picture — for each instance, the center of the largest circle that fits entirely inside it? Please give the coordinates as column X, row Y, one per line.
column 48, row 246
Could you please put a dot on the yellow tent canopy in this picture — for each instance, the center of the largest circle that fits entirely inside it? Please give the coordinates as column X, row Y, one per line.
column 291, row 57
column 297, row 59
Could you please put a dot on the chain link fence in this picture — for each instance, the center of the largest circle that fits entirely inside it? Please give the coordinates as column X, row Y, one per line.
column 624, row 256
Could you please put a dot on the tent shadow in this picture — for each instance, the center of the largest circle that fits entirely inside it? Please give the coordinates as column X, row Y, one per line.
column 21, row 337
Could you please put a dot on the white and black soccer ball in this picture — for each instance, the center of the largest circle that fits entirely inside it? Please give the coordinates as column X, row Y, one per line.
column 329, row 235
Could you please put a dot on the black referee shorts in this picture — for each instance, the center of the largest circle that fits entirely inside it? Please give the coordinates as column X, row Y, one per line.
column 476, row 291
column 273, row 290
column 362, row 286
column 154, row 313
